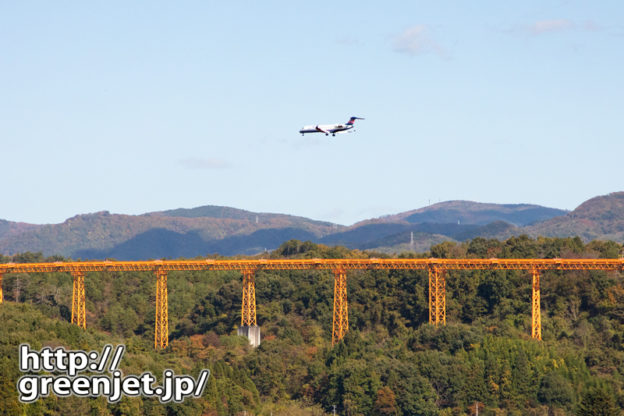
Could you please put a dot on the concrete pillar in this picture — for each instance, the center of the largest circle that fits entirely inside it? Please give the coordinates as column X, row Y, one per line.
column 252, row 333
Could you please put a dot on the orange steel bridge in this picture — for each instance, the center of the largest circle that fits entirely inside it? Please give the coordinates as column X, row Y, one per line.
column 339, row 267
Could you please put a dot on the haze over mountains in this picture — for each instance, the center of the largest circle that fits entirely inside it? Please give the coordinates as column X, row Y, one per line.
column 229, row 231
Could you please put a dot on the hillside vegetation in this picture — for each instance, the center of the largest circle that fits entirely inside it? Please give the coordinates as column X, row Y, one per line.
column 478, row 213
column 392, row 362
column 227, row 231
column 191, row 231
column 600, row 217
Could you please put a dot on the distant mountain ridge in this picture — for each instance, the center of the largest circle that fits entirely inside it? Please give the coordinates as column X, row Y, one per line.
column 229, row 231
column 468, row 212
column 9, row 228
column 601, row 217
column 100, row 233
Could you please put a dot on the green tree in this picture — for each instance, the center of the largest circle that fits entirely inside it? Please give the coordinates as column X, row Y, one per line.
column 385, row 403
column 597, row 401
column 556, row 390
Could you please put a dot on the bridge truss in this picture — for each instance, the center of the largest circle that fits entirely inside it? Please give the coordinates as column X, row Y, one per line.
column 436, row 268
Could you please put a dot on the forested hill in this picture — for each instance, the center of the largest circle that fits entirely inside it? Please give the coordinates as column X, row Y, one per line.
column 10, row 228
column 181, row 232
column 228, row 231
column 601, row 217
column 392, row 362
column 468, row 212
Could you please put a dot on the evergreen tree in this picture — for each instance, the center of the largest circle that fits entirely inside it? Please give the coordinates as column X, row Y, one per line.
column 597, row 401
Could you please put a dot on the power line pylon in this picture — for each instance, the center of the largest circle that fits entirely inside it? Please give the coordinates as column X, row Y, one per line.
column 78, row 316
column 437, row 296
column 341, row 313
column 161, row 331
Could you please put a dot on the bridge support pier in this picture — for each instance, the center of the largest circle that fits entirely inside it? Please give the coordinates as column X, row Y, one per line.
column 161, row 331
column 248, row 307
column 536, row 314
column 252, row 333
column 78, row 315
column 437, row 296
column 249, row 327
column 341, row 313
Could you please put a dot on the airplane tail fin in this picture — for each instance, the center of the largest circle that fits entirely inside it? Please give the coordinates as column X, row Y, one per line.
column 352, row 120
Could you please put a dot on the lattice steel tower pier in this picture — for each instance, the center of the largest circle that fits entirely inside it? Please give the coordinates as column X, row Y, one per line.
column 249, row 327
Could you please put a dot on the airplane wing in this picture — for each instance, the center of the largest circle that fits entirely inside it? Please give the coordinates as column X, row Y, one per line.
column 322, row 130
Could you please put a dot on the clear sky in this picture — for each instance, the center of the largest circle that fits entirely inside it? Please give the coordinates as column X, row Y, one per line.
column 142, row 106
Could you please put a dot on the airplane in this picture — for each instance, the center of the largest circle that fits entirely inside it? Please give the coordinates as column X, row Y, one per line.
column 330, row 128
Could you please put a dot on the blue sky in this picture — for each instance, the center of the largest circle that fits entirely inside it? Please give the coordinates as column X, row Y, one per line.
column 134, row 107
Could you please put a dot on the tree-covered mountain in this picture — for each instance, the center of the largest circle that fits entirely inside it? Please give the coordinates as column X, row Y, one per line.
column 392, row 362
column 161, row 243
column 10, row 228
column 389, row 234
column 468, row 212
column 598, row 218
column 174, row 233
column 601, row 217
column 229, row 231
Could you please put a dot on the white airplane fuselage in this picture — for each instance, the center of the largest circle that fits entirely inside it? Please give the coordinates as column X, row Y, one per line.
column 330, row 128
column 325, row 128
